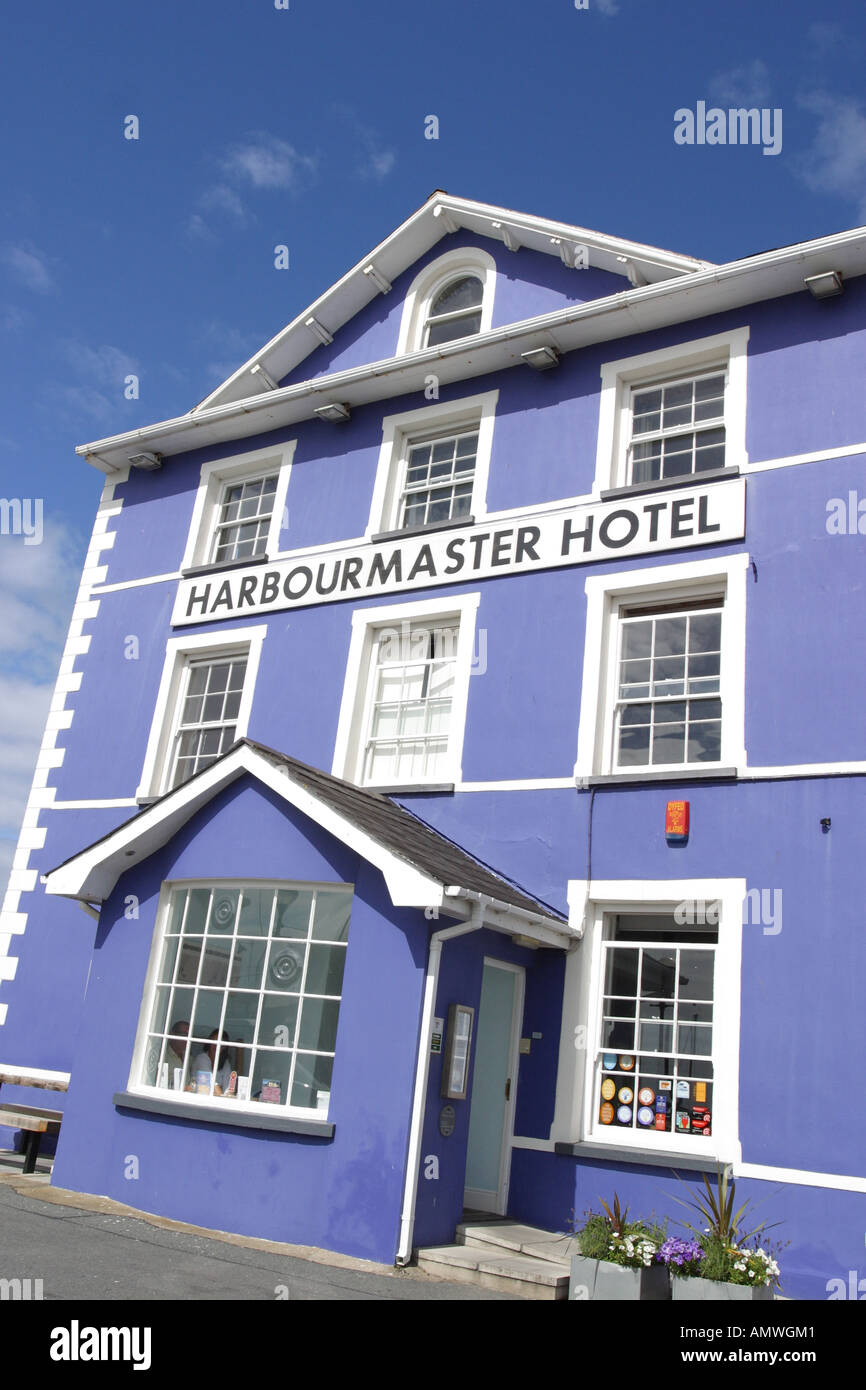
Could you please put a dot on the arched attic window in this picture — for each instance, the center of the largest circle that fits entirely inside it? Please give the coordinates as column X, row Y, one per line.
column 450, row 299
column 454, row 312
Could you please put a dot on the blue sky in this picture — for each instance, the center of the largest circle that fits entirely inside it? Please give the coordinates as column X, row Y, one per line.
column 305, row 127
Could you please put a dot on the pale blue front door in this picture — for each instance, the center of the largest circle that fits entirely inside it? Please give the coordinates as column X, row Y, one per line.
column 493, row 1085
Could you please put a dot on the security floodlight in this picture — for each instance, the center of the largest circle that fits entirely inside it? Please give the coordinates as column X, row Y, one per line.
column 334, row 410
column 541, row 359
column 825, row 285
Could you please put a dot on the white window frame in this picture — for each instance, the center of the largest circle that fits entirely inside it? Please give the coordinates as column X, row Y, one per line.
column 214, row 479
column 399, row 432
column 471, row 260
column 213, row 1104
column 575, row 1120
column 605, row 595
column 723, row 352
column 179, row 653
column 360, row 672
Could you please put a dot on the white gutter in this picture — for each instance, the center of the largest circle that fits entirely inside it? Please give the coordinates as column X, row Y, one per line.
column 422, row 1072
column 546, row 927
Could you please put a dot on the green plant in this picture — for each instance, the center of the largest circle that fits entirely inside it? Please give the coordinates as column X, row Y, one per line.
column 609, row 1235
column 716, row 1208
column 739, row 1264
column 731, row 1255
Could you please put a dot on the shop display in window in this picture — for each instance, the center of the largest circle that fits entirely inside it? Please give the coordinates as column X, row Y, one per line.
column 247, row 994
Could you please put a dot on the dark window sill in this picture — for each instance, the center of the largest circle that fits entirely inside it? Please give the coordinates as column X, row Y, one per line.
column 220, row 565
column 224, row 1117
column 431, row 526
column 413, row 789
column 694, row 774
column 712, row 475
column 645, row 1157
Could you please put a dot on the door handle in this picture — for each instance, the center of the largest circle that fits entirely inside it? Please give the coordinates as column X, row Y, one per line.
column 508, row 1089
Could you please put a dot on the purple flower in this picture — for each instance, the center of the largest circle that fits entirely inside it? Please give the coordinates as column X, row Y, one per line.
column 679, row 1252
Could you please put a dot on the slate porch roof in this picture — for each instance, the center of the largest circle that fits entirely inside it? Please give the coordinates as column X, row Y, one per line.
column 407, row 835
column 400, row 832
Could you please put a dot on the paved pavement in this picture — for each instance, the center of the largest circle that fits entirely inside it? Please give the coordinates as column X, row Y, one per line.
column 97, row 1251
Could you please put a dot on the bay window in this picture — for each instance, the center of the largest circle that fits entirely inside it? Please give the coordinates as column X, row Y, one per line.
column 245, row 994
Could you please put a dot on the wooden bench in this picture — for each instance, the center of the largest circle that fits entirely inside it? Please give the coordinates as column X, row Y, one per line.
column 33, row 1119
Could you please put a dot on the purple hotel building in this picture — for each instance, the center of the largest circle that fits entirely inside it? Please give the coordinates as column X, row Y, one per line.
column 395, row 668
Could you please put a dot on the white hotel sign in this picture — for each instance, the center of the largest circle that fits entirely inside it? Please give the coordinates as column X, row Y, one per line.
column 584, row 535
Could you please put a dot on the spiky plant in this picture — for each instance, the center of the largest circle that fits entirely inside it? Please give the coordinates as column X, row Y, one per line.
column 716, row 1207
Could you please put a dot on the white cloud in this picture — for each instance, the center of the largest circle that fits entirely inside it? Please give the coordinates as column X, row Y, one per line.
column 77, row 404
column 261, row 162
column 29, row 267
column 265, row 161
column 748, row 85
column 378, row 165
column 37, row 590
column 835, row 162
column 376, row 160
column 25, row 708
column 197, row 227
column 221, row 198
column 98, row 395
column 12, row 318
column 106, row 365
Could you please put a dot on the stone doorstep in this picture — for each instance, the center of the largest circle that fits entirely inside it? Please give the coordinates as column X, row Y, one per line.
column 551, row 1246
column 519, row 1274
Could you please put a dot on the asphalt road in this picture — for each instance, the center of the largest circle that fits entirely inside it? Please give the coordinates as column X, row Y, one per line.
column 80, row 1254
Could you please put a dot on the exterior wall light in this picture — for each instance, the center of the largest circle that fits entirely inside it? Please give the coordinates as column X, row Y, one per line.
column 148, row 462
column 541, row 359
column 334, row 410
column 825, row 285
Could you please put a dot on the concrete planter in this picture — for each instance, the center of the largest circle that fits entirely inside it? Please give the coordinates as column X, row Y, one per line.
column 603, row 1280
column 698, row 1290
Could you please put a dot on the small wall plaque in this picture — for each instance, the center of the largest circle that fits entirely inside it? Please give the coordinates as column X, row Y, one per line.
column 447, row 1120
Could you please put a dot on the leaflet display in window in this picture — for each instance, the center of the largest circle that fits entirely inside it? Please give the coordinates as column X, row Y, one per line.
column 654, row 1068
column 658, row 1099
